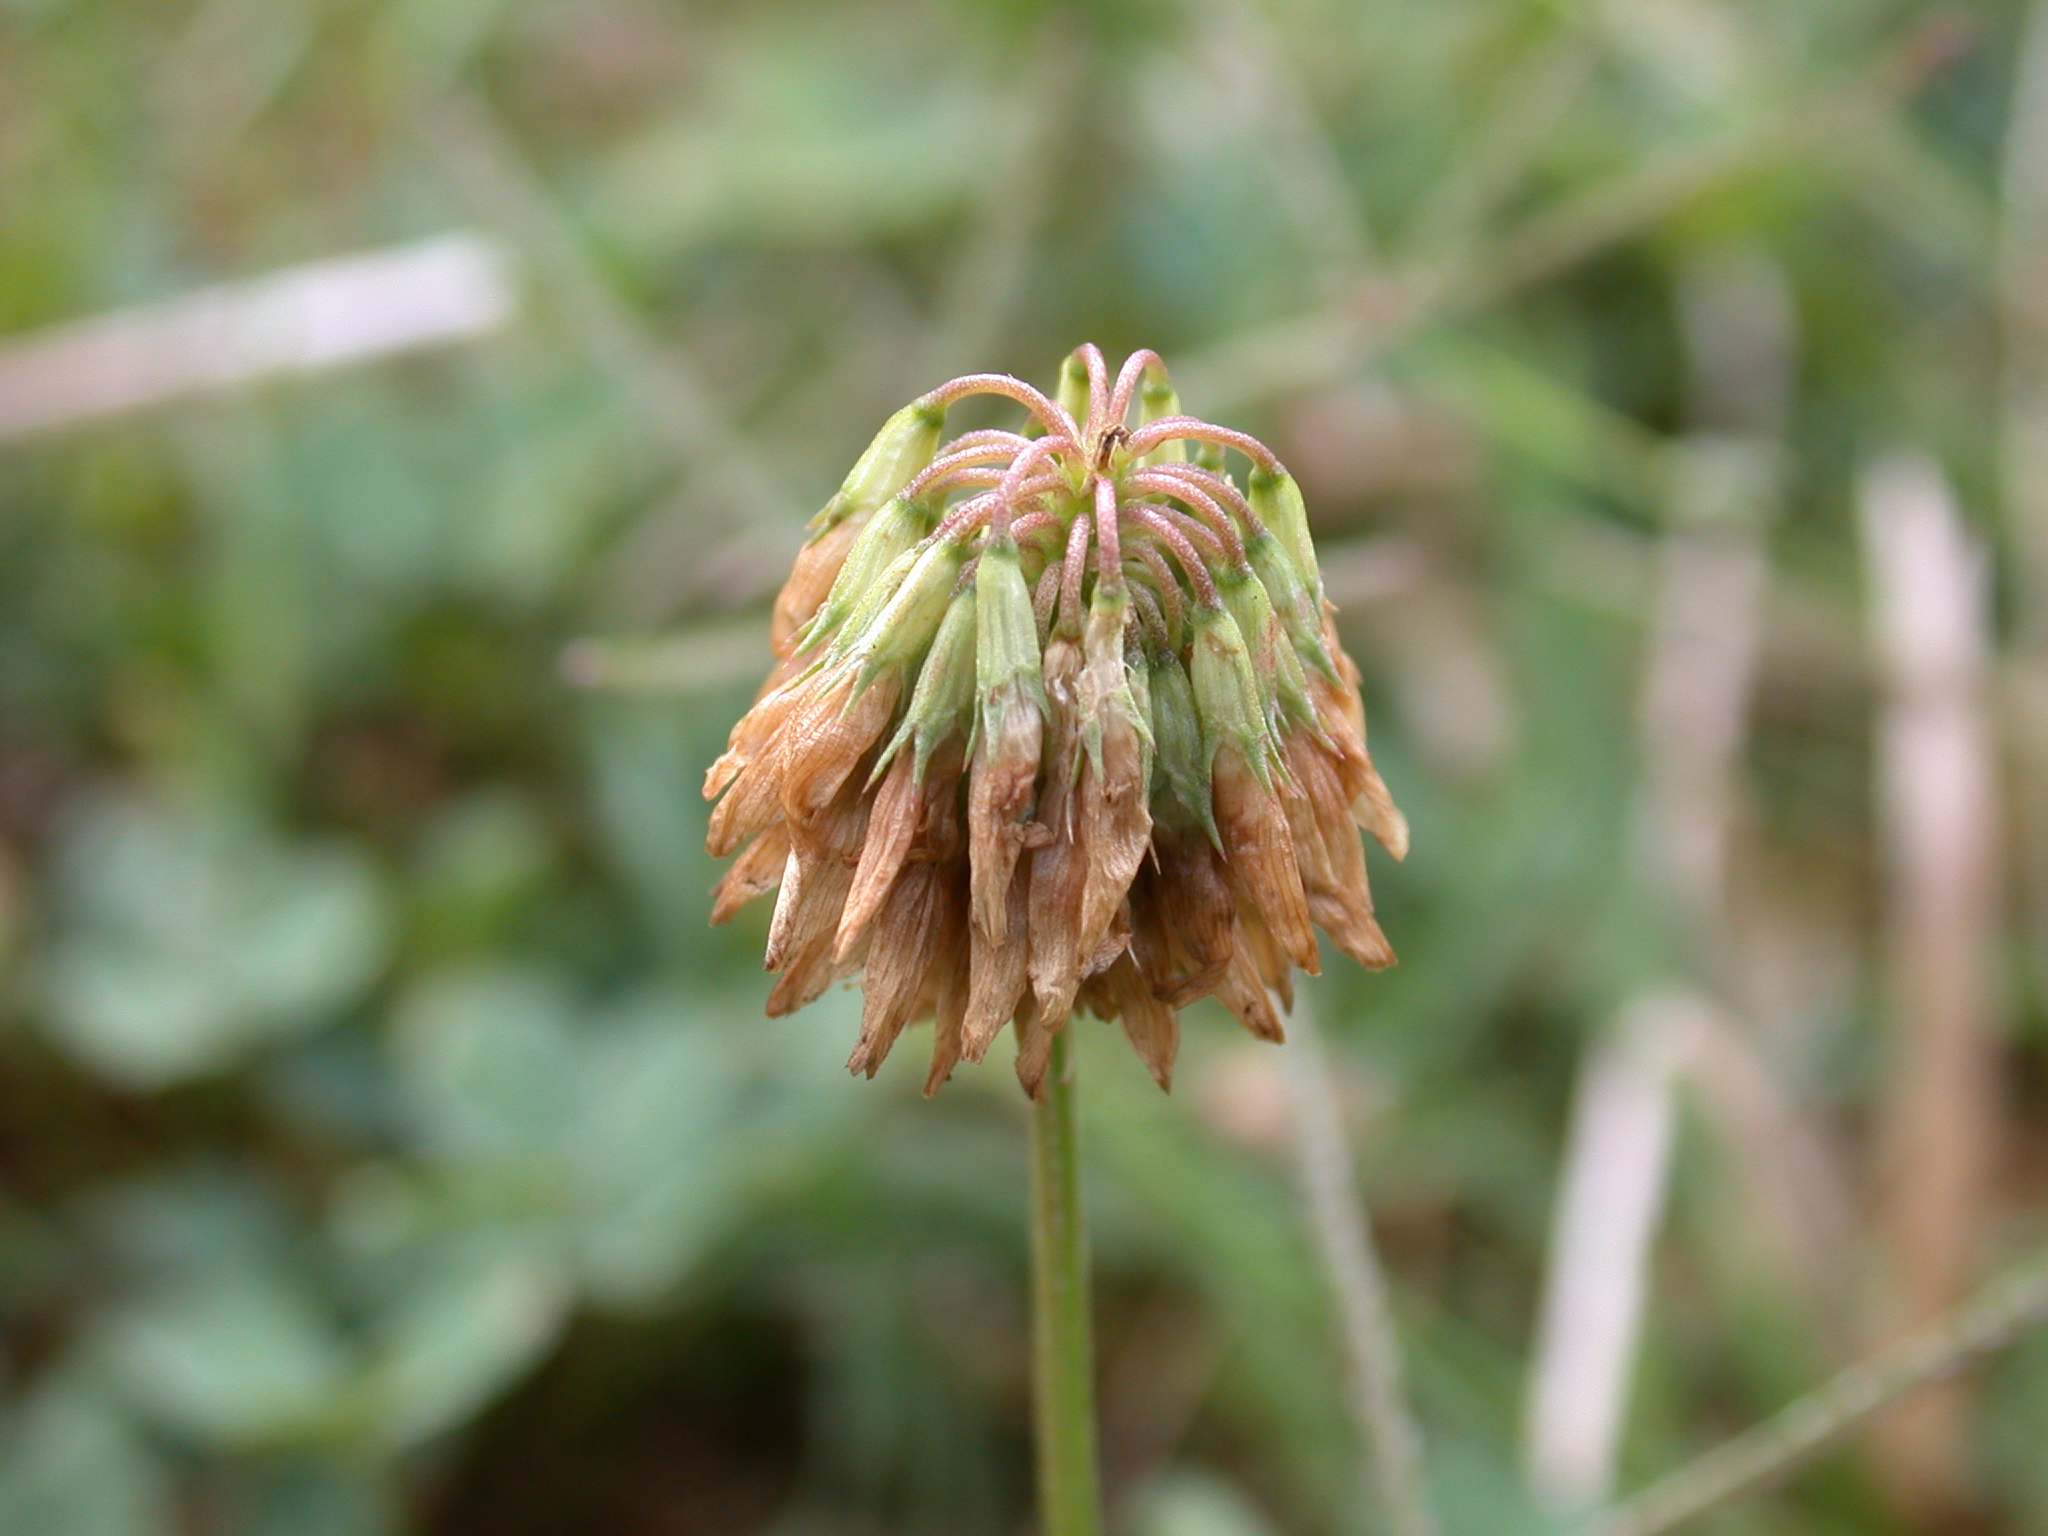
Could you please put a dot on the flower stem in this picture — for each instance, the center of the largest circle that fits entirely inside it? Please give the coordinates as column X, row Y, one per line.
column 1062, row 1344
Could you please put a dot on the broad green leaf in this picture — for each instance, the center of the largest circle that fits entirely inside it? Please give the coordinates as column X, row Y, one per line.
column 191, row 940
column 485, row 1060
column 71, row 1466
column 467, row 1329
column 238, row 1360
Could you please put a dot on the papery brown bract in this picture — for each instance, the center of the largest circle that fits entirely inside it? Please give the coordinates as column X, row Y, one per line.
column 1120, row 992
column 1329, row 854
column 802, row 936
column 998, row 969
column 1002, row 792
column 1259, row 857
column 900, row 957
column 755, row 872
column 1183, row 919
column 947, row 981
column 1343, row 713
column 892, row 823
column 826, row 740
column 1059, row 868
column 811, row 579
column 1003, row 780
column 749, row 768
column 1112, row 817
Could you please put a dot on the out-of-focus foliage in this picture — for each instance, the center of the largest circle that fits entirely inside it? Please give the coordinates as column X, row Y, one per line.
column 386, row 1144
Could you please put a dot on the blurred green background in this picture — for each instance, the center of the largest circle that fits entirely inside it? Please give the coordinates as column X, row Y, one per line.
column 386, row 1142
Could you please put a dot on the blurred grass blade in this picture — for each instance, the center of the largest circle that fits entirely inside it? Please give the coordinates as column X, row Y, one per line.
column 1377, row 315
column 1610, row 1202
column 488, row 169
column 1939, row 1109
column 1792, row 1174
column 302, row 320
column 1550, row 421
column 1698, row 677
column 1249, row 59
column 2012, row 1304
column 1443, row 235
column 1561, row 237
column 696, row 661
column 2021, row 277
column 988, row 276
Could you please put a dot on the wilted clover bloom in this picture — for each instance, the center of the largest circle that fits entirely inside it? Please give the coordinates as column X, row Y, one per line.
column 1060, row 719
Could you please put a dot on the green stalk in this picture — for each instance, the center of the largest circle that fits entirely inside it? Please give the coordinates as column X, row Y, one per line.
column 1062, row 1340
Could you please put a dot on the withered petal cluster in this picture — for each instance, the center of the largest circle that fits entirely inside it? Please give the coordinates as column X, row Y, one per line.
column 1059, row 720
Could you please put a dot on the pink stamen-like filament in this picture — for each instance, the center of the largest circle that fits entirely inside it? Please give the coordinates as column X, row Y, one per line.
column 1200, row 532
column 1075, row 568
column 1109, row 560
column 955, row 457
column 989, row 437
column 1146, row 609
column 1050, row 414
column 995, row 508
column 1218, row 486
column 962, row 473
column 1098, row 388
column 1161, row 526
column 1192, row 429
column 1163, row 579
column 968, row 515
column 1032, row 524
column 1014, row 477
column 1045, row 595
column 1139, row 363
column 1036, row 487
column 1204, row 504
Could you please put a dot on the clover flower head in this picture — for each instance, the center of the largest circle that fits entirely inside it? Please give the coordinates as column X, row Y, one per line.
column 1059, row 719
